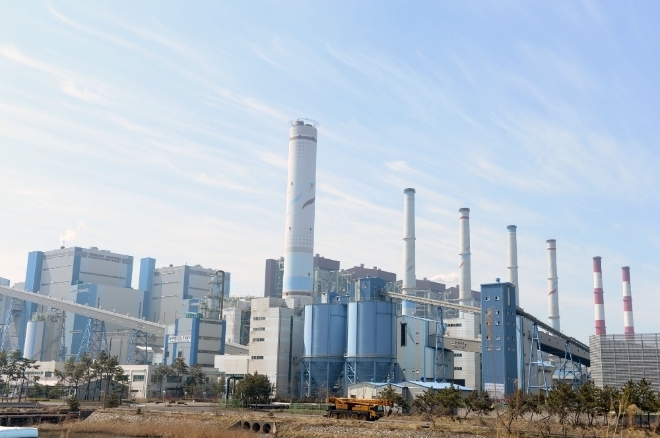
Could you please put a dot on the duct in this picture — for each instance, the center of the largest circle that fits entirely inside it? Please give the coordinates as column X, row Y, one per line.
column 628, row 323
column 408, row 285
column 553, row 285
column 599, row 306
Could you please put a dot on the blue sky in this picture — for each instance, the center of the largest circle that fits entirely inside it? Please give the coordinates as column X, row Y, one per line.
column 160, row 129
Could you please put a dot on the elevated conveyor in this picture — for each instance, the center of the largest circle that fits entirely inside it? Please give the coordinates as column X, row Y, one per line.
column 552, row 341
column 106, row 316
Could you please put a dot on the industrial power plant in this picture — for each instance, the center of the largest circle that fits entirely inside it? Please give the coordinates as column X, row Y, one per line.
column 319, row 330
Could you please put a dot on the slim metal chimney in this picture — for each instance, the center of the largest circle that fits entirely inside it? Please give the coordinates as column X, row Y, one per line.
column 628, row 323
column 598, row 298
column 513, row 260
column 464, row 274
column 553, row 285
column 409, row 282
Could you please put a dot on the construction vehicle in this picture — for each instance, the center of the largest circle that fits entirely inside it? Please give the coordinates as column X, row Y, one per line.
column 357, row 409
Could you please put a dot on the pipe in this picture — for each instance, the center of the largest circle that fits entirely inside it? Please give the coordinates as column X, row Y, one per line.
column 513, row 260
column 553, row 285
column 300, row 211
column 599, row 306
column 628, row 323
column 409, row 282
column 464, row 274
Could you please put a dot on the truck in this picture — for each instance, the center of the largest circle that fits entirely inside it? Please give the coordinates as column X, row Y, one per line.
column 357, row 409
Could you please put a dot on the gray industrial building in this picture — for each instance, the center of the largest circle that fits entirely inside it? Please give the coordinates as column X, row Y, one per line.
column 615, row 359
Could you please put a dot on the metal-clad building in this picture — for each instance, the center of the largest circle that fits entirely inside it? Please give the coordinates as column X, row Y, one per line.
column 615, row 359
column 371, row 343
column 498, row 339
column 324, row 346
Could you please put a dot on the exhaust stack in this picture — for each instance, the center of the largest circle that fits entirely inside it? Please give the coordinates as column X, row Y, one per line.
column 409, row 282
column 300, row 197
column 513, row 260
column 553, row 285
column 464, row 279
column 628, row 323
column 599, row 306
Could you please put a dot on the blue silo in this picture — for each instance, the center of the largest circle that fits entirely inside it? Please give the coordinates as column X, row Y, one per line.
column 371, row 341
column 324, row 346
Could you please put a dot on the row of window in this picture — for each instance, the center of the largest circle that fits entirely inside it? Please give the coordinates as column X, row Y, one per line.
column 498, row 348
column 258, row 339
column 259, row 329
column 103, row 275
column 257, row 357
column 498, row 337
column 56, row 267
column 259, row 318
column 458, row 324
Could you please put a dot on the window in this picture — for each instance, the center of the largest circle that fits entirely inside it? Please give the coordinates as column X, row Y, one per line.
column 258, row 339
column 259, row 318
column 138, row 378
column 257, row 357
column 497, row 298
column 498, row 348
column 259, row 329
column 179, row 354
column 173, row 379
column 458, row 355
column 497, row 322
column 497, row 312
column 48, row 374
column 459, row 324
column 497, row 338
column 487, row 298
column 404, row 329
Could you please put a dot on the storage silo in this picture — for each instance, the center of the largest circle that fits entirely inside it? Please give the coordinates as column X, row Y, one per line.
column 371, row 342
column 324, row 346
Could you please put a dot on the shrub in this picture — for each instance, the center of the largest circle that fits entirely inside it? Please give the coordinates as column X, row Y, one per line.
column 74, row 403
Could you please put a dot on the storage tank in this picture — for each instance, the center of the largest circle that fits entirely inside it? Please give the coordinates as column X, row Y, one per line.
column 324, row 346
column 371, row 342
column 34, row 337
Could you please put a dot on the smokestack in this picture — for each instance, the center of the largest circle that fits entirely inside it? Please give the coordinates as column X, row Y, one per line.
column 301, row 194
column 464, row 279
column 628, row 323
column 513, row 260
column 409, row 282
column 553, row 285
column 598, row 298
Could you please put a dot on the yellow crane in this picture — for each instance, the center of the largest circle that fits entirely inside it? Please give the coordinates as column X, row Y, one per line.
column 357, row 409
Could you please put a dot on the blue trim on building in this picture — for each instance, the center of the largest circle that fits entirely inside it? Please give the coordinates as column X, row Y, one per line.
column 75, row 272
column 146, row 283
column 194, row 341
column 223, row 336
column 129, row 272
column 33, row 273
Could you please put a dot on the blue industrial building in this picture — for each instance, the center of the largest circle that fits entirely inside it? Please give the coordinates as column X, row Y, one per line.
column 498, row 338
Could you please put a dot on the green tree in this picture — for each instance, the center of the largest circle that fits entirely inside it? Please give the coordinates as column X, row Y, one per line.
column 196, row 378
column 254, row 388
column 647, row 400
column 588, row 399
column 74, row 403
column 389, row 393
column 562, row 402
column 478, row 401
column 120, row 378
column 180, row 369
column 218, row 388
column 450, row 400
column 160, row 375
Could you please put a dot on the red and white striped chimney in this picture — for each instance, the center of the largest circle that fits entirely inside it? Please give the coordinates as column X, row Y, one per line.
column 628, row 324
column 598, row 298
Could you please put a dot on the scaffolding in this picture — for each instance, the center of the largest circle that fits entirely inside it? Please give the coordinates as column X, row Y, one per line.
column 537, row 365
column 615, row 359
column 138, row 348
column 10, row 329
column 94, row 339
column 570, row 369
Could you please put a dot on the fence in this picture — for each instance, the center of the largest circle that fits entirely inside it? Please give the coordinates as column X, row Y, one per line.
column 308, row 408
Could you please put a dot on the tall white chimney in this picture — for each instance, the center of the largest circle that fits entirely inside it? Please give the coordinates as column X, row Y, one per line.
column 553, row 285
column 599, row 303
column 300, row 197
column 513, row 260
column 628, row 323
column 464, row 274
column 409, row 282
